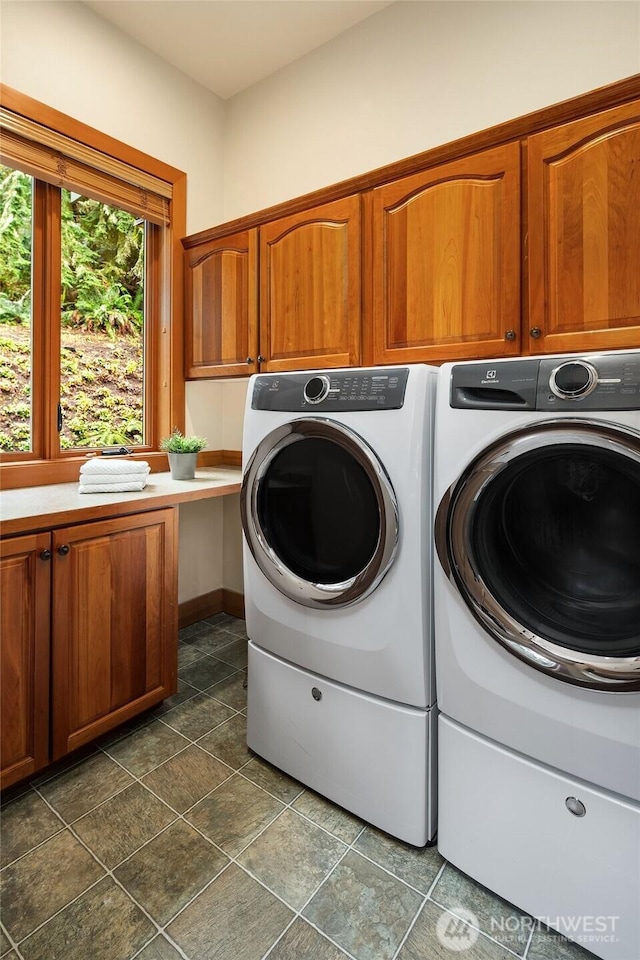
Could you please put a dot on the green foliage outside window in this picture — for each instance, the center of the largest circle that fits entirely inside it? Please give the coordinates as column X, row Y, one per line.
column 101, row 313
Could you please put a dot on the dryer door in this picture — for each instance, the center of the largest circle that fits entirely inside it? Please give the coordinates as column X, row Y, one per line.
column 319, row 513
column 541, row 536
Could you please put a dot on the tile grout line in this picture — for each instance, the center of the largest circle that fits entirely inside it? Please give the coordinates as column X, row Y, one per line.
column 420, row 909
column 12, row 943
column 452, row 911
column 529, row 941
column 298, row 913
column 232, row 859
column 109, row 873
column 159, row 928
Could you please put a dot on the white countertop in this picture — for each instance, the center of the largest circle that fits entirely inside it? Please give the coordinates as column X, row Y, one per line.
column 36, row 508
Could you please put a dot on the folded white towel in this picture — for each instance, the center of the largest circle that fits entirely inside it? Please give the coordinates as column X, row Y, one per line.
column 113, row 465
column 130, row 487
column 89, row 479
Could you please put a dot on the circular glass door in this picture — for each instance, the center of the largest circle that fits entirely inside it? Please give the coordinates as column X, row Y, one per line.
column 319, row 513
column 542, row 538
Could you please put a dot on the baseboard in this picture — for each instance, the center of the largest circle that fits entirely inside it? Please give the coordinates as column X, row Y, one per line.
column 220, row 458
column 233, row 603
column 208, row 604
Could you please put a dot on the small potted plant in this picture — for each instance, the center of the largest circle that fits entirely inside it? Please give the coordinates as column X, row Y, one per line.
column 183, row 454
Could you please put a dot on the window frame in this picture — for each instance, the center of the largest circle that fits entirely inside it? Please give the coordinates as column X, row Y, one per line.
column 164, row 380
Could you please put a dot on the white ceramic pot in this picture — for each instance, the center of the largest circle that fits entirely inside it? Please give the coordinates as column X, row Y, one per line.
column 183, row 465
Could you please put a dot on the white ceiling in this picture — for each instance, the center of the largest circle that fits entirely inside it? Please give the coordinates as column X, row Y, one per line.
column 227, row 45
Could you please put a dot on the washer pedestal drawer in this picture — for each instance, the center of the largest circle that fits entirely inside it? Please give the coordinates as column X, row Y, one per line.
column 373, row 757
column 507, row 822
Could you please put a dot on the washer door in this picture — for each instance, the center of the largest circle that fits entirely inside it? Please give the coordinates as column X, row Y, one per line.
column 319, row 513
column 541, row 536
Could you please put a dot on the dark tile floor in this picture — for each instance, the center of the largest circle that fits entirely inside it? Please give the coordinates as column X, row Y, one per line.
column 169, row 839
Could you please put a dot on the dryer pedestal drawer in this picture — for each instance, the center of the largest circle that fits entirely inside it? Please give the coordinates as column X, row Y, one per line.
column 373, row 757
column 565, row 852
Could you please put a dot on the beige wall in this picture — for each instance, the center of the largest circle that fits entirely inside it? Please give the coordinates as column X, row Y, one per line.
column 69, row 58
column 413, row 76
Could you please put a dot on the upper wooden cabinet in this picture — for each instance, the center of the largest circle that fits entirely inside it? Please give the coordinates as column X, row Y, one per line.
column 520, row 239
column 584, row 233
column 25, row 584
column 221, row 301
column 310, row 301
column 446, row 261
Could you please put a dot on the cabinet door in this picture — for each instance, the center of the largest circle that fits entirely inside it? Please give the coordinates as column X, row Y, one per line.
column 584, row 233
column 114, row 623
column 25, row 578
column 221, row 307
column 446, row 261
column 310, row 288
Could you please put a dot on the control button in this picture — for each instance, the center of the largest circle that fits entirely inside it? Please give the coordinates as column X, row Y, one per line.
column 573, row 380
column 316, row 389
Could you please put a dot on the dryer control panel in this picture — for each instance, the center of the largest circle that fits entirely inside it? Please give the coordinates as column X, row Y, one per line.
column 330, row 391
column 590, row 382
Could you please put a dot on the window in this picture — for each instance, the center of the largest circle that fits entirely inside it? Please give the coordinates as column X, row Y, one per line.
column 90, row 295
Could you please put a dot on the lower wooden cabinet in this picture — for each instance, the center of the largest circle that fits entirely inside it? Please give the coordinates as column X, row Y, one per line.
column 89, row 612
column 25, row 588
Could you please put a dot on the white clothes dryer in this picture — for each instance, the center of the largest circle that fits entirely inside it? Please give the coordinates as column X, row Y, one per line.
column 537, row 598
column 336, row 515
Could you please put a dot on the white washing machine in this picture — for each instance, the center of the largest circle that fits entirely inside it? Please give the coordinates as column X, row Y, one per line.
column 336, row 510
column 537, row 600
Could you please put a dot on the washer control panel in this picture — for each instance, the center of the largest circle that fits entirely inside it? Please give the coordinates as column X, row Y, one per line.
column 608, row 381
column 330, row 391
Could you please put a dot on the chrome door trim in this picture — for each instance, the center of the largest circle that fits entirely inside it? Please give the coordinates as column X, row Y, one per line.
column 305, row 592
column 453, row 544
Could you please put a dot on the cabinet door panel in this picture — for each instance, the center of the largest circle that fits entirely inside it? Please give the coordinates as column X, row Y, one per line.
column 310, row 288
column 24, row 656
column 446, row 261
column 584, row 233
column 114, row 634
column 221, row 322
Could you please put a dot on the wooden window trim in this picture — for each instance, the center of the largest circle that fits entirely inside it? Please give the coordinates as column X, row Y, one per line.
column 165, row 397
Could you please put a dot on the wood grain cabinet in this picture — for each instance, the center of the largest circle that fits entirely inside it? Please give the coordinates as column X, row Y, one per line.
column 527, row 243
column 114, row 623
column 445, row 270
column 25, row 587
column 584, row 233
column 307, row 270
column 89, row 633
column 310, row 288
column 221, row 307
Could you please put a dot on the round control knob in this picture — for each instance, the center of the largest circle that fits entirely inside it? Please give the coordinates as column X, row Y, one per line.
column 573, row 380
column 316, row 389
